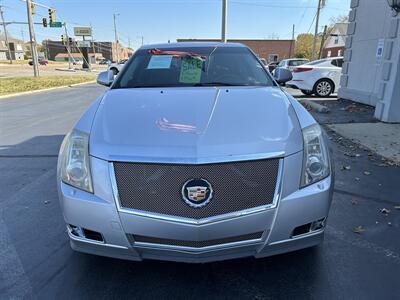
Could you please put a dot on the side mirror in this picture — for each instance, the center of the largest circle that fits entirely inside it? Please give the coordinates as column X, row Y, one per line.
column 282, row 75
column 105, row 78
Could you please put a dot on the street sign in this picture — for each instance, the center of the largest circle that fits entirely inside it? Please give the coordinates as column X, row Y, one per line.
column 379, row 48
column 55, row 24
column 83, row 44
column 83, row 31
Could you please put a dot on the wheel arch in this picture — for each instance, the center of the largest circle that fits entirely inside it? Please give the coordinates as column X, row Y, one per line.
column 327, row 79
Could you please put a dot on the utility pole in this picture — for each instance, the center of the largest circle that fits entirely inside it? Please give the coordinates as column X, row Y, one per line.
column 32, row 39
column 322, row 42
column 321, row 3
column 94, row 50
column 142, row 40
column 68, row 46
column 5, row 35
column 116, row 37
column 224, row 20
column 291, row 43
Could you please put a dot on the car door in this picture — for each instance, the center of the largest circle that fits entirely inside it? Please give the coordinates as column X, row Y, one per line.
column 336, row 71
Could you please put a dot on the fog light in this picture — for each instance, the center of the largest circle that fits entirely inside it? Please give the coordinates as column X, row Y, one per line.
column 317, row 225
column 85, row 233
column 76, row 231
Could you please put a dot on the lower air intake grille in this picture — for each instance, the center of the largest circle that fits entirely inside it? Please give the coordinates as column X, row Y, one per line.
column 197, row 244
column 157, row 188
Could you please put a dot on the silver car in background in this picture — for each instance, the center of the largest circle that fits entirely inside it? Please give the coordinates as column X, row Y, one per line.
column 194, row 154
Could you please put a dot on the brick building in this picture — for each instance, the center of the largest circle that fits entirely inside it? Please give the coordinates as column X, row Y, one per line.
column 102, row 49
column 271, row 50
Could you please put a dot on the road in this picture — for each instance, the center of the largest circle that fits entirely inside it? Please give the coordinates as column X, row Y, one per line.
column 37, row 262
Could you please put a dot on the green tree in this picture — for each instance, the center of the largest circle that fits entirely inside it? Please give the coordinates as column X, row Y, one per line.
column 304, row 44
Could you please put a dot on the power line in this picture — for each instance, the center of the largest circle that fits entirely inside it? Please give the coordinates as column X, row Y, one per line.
column 312, row 22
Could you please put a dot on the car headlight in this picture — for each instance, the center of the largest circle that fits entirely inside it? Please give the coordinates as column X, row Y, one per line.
column 316, row 164
column 74, row 160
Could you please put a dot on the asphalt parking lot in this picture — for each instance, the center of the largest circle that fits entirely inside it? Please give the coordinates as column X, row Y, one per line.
column 37, row 262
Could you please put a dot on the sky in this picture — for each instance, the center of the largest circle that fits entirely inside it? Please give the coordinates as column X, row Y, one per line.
column 158, row 21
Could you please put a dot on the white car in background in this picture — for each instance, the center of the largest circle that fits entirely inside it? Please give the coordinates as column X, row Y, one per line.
column 292, row 63
column 117, row 67
column 320, row 77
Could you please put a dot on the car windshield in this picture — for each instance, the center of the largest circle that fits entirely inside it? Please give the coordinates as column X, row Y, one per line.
column 282, row 63
column 193, row 66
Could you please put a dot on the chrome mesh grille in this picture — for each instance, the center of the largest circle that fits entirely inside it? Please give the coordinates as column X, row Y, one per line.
column 157, row 187
column 197, row 244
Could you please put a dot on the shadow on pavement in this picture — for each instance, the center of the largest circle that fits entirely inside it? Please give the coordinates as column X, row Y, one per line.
column 346, row 265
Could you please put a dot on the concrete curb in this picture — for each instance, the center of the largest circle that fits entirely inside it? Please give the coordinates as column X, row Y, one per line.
column 45, row 90
column 65, row 70
column 318, row 107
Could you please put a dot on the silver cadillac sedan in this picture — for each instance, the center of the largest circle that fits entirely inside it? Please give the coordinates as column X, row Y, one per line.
column 194, row 154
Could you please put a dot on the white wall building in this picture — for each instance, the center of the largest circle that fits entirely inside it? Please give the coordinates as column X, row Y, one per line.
column 371, row 72
column 336, row 41
column 16, row 48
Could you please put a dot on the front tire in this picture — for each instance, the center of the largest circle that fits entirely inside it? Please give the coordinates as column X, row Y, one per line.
column 323, row 88
column 307, row 92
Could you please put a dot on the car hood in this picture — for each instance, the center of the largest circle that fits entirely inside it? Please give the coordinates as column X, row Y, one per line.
column 194, row 125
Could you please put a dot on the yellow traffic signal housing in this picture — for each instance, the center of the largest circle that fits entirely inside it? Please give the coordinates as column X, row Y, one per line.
column 52, row 18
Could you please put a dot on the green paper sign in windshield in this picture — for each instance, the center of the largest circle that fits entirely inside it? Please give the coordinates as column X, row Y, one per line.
column 191, row 70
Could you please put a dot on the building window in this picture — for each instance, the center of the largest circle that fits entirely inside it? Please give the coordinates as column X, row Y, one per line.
column 336, row 40
column 340, row 53
column 273, row 58
column 329, row 53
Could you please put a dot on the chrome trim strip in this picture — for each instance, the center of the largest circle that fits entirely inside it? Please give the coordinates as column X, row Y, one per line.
column 197, row 250
column 88, row 241
column 236, row 214
column 195, row 161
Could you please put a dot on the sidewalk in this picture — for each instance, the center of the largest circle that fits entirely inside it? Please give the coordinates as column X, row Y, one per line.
column 355, row 122
column 366, row 203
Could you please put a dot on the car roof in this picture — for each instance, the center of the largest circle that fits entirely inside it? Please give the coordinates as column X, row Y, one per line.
column 288, row 59
column 336, row 57
column 192, row 44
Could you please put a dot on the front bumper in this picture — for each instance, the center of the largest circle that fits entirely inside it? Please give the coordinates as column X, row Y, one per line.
column 98, row 212
column 300, row 85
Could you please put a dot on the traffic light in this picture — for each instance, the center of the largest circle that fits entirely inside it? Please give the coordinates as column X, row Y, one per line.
column 52, row 18
column 62, row 39
column 32, row 8
column 44, row 21
column 70, row 40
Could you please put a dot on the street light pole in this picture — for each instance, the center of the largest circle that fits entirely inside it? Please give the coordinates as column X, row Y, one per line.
column 314, row 48
column 116, row 37
column 224, row 20
column 6, row 36
column 32, row 39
